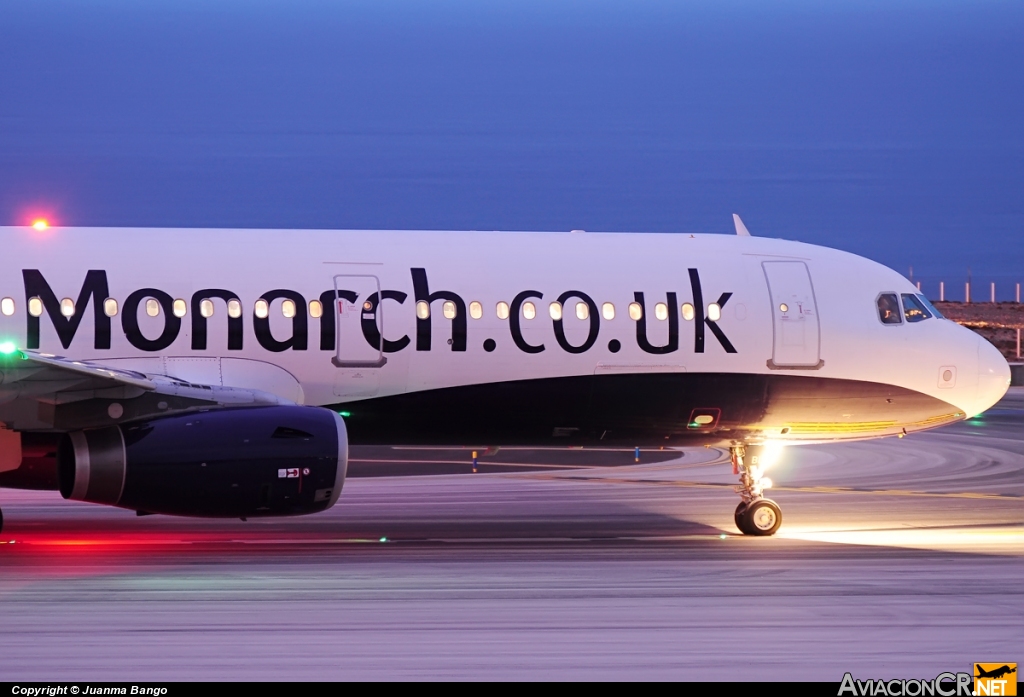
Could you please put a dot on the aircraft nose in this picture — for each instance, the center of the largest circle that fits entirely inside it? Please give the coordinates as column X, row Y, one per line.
column 993, row 375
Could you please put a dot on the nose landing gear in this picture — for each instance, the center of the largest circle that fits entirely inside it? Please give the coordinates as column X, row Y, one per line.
column 760, row 518
column 755, row 515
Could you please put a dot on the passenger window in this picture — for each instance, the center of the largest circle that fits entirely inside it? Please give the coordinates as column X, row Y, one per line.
column 476, row 310
column 180, row 309
column 608, row 311
column 206, row 307
column 635, row 311
column 529, row 310
column 502, row 310
column 153, row 307
column 234, row 308
column 582, row 310
column 448, row 309
column 661, row 311
column 688, row 312
column 316, row 309
column 35, row 307
column 261, row 309
column 110, row 307
column 913, row 310
column 889, row 309
column 7, row 306
column 288, row 308
column 555, row 310
column 422, row 309
column 714, row 312
column 67, row 307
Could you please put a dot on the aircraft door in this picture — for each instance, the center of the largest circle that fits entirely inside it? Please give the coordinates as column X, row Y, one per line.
column 796, row 330
column 359, row 335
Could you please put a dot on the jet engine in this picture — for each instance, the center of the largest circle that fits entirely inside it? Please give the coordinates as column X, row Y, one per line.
column 255, row 461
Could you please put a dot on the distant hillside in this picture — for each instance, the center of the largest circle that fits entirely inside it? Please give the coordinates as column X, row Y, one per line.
column 997, row 322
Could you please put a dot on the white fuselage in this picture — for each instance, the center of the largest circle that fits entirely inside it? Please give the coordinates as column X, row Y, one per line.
column 830, row 330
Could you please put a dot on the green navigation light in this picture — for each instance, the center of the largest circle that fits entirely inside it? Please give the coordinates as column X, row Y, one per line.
column 7, row 348
column 346, row 414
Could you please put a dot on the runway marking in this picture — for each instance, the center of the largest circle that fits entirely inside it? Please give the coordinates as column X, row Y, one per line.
column 468, row 463
column 804, row 489
column 526, row 448
column 175, row 539
column 95, row 544
column 997, row 539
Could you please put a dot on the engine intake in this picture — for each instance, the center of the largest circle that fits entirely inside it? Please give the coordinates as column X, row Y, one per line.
column 255, row 461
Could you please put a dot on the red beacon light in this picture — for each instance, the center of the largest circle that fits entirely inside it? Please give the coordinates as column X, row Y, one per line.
column 40, row 224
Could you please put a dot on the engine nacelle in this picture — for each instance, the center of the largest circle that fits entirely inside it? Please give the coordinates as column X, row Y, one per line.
column 256, row 461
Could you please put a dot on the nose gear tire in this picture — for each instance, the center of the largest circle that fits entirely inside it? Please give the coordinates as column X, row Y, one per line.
column 741, row 522
column 760, row 518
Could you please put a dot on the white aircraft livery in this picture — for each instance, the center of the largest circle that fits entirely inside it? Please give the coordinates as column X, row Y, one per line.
column 224, row 373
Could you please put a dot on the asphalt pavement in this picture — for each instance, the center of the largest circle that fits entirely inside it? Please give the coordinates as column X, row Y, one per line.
column 897, row 558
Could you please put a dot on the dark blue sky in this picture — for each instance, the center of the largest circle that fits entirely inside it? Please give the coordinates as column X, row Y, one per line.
column 889, row 129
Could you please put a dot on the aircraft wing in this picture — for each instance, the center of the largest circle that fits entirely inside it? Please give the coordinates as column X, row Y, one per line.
column 43, row 391
column 24, row 372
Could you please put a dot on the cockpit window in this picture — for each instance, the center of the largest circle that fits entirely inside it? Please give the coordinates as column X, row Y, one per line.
column 889, row 309
column 913, row 309
column 931, row 308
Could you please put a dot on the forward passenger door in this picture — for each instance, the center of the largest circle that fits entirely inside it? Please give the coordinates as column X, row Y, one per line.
column 796, row 329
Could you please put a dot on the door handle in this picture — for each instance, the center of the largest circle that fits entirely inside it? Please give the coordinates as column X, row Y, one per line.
column 359, row 364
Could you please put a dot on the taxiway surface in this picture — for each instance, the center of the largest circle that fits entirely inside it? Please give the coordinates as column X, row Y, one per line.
column 897, row 558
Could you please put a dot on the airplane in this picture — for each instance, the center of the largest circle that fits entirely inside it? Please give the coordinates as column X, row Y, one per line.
column 225, row 373
column 995, row 673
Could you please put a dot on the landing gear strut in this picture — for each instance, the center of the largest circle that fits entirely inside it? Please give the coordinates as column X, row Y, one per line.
column 755, row 515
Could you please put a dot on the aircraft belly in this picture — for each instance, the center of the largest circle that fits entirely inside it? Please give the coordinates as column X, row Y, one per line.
column 645, row 409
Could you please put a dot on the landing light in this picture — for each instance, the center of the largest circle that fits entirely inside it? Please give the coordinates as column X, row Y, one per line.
column 770, row 455
column 40, row 224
